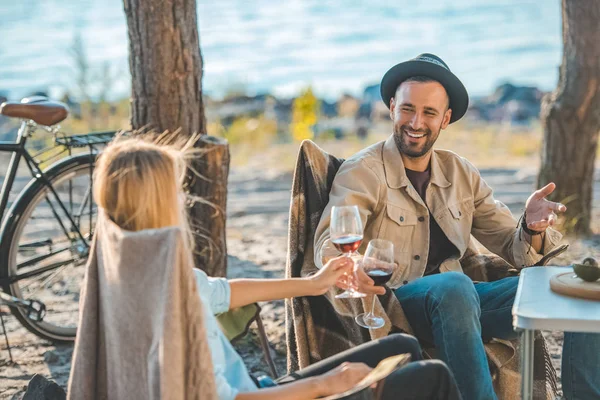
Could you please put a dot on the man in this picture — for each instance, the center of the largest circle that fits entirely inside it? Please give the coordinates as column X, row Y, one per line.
column 429, row 202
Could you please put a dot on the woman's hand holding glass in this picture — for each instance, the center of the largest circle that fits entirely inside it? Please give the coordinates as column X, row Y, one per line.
column 360, row 278
column 331, row 274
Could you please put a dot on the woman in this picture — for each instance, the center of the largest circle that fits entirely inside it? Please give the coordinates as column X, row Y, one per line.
column 139, row 186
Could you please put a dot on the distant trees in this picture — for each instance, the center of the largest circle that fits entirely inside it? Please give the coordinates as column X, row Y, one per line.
column 571, row 115
column 166, row 80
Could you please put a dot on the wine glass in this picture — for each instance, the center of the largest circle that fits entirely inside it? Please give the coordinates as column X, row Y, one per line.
column 378, row 264
column 346, row 232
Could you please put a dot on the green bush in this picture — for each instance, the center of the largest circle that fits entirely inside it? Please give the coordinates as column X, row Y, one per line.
column 254, row 131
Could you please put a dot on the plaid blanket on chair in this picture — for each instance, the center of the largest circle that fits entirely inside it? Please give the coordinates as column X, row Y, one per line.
column 319, row 327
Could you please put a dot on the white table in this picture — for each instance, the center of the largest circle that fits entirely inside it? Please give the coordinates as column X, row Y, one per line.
column 537, row 307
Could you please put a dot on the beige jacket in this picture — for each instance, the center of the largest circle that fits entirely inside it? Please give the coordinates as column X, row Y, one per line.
column 459, row 199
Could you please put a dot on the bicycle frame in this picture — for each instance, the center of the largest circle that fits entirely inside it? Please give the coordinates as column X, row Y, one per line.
column 19, row 151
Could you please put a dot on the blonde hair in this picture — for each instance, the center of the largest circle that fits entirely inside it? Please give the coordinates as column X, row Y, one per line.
column 138, row 182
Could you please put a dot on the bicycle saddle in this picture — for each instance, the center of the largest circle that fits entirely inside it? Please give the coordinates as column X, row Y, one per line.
column 37, row 108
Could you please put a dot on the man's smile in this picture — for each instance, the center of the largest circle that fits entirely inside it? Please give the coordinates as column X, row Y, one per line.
column 414, row 135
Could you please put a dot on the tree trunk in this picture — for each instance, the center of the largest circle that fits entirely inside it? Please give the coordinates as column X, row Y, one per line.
column 208, row 219
column 166, row 81
column 571, row 116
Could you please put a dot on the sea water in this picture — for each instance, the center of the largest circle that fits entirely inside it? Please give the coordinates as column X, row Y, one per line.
column 282, row 46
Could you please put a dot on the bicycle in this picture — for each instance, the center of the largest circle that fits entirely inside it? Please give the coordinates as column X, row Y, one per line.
column 46, row 234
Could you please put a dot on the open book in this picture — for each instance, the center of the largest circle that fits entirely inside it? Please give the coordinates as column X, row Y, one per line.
column 381, row 371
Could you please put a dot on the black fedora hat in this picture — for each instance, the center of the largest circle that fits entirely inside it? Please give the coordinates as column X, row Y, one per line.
column 433, row 67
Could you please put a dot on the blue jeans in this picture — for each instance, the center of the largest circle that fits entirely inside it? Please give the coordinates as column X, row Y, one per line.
column 454, row 314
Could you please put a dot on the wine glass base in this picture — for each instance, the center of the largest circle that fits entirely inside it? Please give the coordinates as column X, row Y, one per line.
column 370, row 322
column 350, row 295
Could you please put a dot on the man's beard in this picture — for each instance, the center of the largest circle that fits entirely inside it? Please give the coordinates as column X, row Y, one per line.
column 414, row 151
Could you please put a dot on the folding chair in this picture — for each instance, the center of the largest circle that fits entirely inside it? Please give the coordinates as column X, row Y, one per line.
column 479, row 267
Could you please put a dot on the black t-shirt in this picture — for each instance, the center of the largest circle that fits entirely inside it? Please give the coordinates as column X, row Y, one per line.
column 440, row 248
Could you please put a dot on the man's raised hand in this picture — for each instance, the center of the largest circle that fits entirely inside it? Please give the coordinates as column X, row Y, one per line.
column 540, row 212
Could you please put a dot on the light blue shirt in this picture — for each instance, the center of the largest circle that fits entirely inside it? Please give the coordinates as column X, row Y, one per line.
column 231, row 375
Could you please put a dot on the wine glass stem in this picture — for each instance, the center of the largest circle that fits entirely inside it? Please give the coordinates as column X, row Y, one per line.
column 350, row 276
column 371, row 313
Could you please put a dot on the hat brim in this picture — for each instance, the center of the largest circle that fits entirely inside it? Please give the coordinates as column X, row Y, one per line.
column 459, row 98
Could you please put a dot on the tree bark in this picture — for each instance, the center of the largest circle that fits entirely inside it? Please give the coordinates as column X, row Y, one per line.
column 571, row 116
column 208, row 219
column 166, row 80
column 165, row 64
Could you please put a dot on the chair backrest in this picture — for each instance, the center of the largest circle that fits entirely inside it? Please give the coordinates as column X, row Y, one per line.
column 314, row 329
column 313, row 178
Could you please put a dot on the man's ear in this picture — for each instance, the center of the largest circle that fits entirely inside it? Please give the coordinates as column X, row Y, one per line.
column 392, row 107
column 446, row 120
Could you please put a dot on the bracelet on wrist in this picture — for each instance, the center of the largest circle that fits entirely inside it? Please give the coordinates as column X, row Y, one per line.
column 525, row 228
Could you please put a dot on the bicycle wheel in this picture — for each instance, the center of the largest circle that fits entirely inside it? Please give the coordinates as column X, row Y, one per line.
column 43, row 257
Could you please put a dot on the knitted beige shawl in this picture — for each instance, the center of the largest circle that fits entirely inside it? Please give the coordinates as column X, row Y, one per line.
column 141, row 332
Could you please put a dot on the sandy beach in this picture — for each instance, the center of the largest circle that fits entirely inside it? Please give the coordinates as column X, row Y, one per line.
column 257, row 230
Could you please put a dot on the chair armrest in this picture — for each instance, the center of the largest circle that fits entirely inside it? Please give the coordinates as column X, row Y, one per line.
column 236, row 322
column 551, row 254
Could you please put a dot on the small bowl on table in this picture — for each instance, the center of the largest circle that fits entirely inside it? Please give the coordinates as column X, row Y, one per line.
column 588, row 270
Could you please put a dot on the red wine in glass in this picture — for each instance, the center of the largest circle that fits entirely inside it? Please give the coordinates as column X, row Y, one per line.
column 378, row 264
column 346, row 234
column 380, row 277
column 348, row 243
